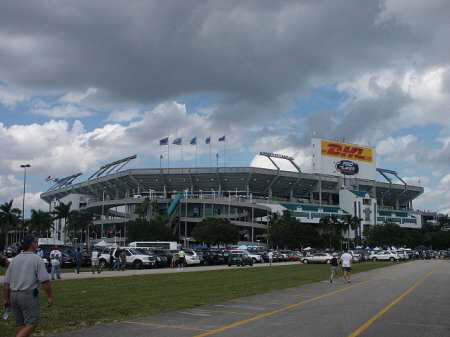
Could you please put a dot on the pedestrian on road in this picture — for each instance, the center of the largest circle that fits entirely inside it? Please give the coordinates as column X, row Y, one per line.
column 95, row 261
column 346, row 260
column 123, row 259
column 334, row 263
column 77, row 257
column 111, row 260
column 24, row 276
column 181, row 259
column 55, row 260
column 270, row 255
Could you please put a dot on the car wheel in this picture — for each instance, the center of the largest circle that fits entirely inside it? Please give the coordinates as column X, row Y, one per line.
column 254, row 260
column 374, row 259
column 327, row 261
column 102, row 264
column 137, row 264
column 305, row 261
column 229, row 265
column 392, row 259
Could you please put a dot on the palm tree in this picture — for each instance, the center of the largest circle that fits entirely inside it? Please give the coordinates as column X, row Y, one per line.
column 352, row 223
column 332, row 226
column 143, row 208
column 62, row 212
column 77, row 221
column 9, row 216
column 40, row 221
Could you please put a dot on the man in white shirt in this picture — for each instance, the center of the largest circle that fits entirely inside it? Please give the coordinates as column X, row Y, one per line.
column 95, row 261
column 346, row 261
column 55, row 260
column 270, row 255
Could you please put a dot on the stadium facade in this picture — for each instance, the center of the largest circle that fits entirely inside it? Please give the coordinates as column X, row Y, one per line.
column 345, row 182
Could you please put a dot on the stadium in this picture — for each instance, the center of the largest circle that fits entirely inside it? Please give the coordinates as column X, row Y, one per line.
column 345, row 181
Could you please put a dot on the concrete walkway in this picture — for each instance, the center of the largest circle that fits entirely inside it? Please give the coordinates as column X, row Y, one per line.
column 404, row 300
column 131, row 272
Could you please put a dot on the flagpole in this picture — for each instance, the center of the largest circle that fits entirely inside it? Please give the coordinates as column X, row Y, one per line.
column 224, row 152
column 196, row 152
column 168, row 156
column 210, row 163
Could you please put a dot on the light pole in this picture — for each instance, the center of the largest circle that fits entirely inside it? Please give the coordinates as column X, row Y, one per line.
column 24, row 166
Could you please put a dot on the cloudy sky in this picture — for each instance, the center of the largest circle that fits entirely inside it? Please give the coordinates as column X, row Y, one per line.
column 86, row 82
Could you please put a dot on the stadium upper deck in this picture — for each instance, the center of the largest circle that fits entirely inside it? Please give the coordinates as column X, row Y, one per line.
column 262, row 183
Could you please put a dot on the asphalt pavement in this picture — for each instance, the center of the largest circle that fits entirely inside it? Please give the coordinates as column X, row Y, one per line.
column 404, row 300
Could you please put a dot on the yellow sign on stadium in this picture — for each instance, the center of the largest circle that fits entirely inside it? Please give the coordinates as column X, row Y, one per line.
column 346, row 151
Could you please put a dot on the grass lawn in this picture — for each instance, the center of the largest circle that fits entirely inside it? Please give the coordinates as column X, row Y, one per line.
column 80, row 303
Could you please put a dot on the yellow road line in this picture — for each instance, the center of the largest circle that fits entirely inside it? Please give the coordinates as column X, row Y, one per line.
column 181, row 327
column 274, row 312
column 378, row 315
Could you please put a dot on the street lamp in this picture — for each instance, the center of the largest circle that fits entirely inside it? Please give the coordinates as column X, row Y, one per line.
column 24, row 166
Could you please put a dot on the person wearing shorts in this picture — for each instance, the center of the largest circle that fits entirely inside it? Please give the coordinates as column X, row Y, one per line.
column 23, row 278
column 346, row 261
column 95, row 262
column 334, row 264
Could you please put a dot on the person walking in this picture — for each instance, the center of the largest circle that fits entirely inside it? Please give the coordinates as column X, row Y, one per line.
column 77, row 257
column 270, row 256
column 334, row 264
column 95, row 261
column 123, row 259
column 55, row 260
column 20, row 292
column 346, row 261
column 181, row 259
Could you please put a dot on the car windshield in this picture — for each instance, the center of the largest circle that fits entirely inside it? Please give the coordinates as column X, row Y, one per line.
column 137, row 251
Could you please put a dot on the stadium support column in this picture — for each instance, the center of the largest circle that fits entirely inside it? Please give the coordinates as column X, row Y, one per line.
column 320, row 190
column 253, row 220
column 397, row 204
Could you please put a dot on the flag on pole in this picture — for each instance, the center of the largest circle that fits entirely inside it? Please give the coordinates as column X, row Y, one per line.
column 222, row 139
column 193, row 141
column 208, row 140
column 164, row 141
column 178, row 141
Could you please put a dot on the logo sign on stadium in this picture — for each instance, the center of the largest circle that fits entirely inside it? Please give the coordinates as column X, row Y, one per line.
column 336, row 158
column 346, row 151
column 347, row 167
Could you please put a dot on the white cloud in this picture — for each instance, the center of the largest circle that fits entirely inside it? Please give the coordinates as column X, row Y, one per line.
column 78, row 97
column 63, row 111
column 398, row 145
column 124, row 116
column 10, row 97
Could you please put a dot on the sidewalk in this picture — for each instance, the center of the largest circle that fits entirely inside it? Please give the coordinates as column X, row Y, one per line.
column 133, row 272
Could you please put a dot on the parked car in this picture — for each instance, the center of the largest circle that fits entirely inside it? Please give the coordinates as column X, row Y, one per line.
column 384, row 255
column 136, row 257
column 239, row 259
column 317, row 258
column 191, row 257
column 255, row 257
column 214, row 257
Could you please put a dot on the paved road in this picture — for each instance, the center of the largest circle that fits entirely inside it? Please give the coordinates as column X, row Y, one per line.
column 405, row 300
column 131, row 272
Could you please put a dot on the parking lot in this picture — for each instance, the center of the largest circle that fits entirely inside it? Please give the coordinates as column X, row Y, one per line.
column 409, row 299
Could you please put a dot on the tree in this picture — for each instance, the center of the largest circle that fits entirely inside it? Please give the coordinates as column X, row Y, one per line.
column 9, row 217
column 40, row 222
column 216, row 231
column 287, row 232
column 62, row 212
column 77, row 222
column 332, row 228
column 386, row 235
column 352, row 223
column 156, row 229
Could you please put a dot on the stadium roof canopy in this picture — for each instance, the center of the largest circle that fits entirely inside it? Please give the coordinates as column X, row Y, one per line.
column 259, row 181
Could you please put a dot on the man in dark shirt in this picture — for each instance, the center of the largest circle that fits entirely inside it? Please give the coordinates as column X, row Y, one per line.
column 334, row 263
